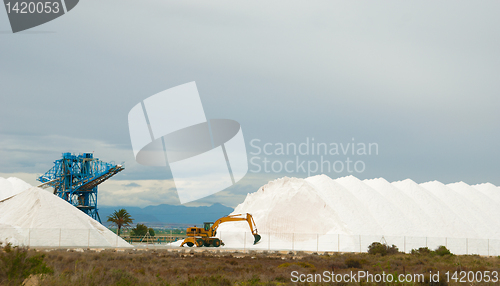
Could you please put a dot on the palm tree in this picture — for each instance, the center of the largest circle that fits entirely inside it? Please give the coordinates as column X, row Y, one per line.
column 121, row 218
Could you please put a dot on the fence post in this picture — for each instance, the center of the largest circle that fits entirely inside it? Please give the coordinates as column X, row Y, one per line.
column 268, row 242
column 317, row 242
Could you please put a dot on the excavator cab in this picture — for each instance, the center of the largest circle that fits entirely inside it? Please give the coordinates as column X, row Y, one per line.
column 207, row 225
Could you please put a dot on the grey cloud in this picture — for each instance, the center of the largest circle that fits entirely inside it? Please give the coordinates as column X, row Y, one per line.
column 132, row 185
column 419, row 78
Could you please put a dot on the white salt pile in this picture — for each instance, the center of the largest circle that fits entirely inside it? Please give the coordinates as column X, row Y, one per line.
column 319, row 208
column 32, row 216
column 12, row 186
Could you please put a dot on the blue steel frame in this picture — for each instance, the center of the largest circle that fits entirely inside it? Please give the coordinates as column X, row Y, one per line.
column 75, row 179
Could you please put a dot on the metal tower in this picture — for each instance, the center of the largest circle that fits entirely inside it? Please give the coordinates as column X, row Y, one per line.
column 75, row 179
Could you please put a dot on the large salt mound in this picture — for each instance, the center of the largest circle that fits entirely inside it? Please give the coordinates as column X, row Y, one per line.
column 36, row 217
column 290, row 213
column 12, row 186
column 320, row 206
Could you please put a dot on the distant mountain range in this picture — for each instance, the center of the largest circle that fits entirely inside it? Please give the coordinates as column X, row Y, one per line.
column 170, row 215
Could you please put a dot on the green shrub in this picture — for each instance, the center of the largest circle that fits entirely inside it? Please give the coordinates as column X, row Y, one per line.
column 141, row 230
column 421, row 250
column 353, row 263
column 392, row 250
column 284, row 265
column 442, row 251
column 151, row 232
column 301, row 264
column 255, row 280
column 17, row 264
column 281, row 279
column 377, row 248
column 382, row 249
column 305, row 265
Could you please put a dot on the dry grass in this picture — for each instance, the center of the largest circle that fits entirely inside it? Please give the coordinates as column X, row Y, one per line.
column 164, row 267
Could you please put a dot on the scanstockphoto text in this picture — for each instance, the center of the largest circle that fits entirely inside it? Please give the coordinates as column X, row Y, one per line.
column 367, row 277
column 310, row 156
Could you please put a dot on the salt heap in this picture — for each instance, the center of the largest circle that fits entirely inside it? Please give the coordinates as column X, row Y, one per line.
column 12, row 186
column 32, row 216
column 322, row 206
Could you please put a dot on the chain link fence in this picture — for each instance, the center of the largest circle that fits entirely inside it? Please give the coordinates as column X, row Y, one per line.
column 356, row 243
column 92, row 238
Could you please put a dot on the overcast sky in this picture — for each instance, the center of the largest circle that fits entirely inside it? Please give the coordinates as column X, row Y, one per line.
column 421, row 79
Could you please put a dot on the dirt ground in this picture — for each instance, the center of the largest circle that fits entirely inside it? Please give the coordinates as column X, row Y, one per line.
column 209, row 267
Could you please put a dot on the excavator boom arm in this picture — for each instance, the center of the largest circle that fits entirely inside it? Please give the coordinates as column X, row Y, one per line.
column 237, row 217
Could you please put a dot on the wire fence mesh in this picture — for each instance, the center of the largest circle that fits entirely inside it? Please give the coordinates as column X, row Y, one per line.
column 93, row 238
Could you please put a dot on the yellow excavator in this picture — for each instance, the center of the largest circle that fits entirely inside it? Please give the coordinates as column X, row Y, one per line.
column 206, row 236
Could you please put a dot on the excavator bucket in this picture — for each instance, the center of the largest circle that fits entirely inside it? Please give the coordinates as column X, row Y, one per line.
column 256, row 238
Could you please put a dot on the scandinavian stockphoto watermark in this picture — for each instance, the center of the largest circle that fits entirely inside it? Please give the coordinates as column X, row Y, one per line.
column 204, row 156
column 26, row 14
column 310, row 157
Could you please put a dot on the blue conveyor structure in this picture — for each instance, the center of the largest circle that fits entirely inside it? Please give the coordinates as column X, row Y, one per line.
column 75, row 179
